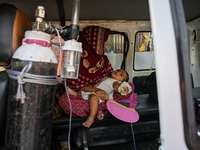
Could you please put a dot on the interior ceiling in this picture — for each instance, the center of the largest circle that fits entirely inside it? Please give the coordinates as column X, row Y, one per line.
column 100, row 9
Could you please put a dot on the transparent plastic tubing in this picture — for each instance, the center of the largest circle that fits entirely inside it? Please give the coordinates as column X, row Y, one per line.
column 133, row 136
column 70, row 117
column 70, row 105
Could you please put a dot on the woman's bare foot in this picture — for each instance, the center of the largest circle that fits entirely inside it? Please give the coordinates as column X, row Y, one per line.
column 88, row 122
column 72, row 92
column 100, row 115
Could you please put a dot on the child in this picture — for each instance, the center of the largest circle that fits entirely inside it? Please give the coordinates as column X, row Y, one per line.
column 102, row 92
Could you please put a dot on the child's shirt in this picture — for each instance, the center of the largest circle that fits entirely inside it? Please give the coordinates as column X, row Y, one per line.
column 106, row 85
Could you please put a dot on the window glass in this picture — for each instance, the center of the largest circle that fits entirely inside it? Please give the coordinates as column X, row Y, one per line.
column 144, row 51
column 114, row 49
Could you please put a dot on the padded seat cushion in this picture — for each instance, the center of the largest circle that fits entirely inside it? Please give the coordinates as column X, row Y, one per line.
column 13, row 24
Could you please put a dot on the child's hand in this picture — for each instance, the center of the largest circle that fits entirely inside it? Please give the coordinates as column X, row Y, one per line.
column 116, row 85
column 124, row 88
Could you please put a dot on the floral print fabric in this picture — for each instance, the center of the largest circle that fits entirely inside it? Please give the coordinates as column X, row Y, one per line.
column 94, row 65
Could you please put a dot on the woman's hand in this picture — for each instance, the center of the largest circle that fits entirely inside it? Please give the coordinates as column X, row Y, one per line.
column 102, row 94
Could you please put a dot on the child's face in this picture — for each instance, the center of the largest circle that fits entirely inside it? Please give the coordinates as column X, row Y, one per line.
column 119, row 75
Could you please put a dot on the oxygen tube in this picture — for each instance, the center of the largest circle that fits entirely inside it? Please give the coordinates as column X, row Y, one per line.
column 65, row 84
column 70, row 54
column 133, row 136
column 67, row 70
column 76, row 46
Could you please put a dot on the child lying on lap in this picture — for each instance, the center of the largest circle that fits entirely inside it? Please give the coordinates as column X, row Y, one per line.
column 104, row 91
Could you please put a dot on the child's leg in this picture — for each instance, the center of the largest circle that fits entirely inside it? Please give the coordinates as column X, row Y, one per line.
column 93, row 101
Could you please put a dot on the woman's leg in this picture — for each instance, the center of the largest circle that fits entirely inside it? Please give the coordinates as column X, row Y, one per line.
column 93, row 102
column 100, row 115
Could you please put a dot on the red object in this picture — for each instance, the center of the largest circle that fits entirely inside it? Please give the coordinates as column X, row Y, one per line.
column 117, row 96
column 94, row 65
column 80, row 107
column 37, row 42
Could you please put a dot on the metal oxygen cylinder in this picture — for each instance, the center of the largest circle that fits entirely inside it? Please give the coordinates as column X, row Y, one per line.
column 29, row 120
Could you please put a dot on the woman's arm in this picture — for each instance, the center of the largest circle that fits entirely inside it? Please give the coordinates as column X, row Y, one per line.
column 101, row 93
column 89, row 89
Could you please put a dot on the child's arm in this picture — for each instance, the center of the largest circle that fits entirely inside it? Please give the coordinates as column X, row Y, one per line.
column 124, row 88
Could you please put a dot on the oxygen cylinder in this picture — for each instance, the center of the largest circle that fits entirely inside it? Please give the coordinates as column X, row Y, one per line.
column 29, row 122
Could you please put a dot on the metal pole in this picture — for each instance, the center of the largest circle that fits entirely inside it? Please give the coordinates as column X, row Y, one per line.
column 75, row 12
column 74, row 28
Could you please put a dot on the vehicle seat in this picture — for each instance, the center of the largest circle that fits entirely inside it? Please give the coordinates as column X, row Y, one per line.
column 13, row 25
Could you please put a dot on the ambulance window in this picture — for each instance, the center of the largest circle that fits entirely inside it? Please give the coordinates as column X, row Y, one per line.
column 144, row 51
column 114, row 49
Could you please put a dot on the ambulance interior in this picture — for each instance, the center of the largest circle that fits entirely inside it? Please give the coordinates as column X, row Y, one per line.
column 129, row 46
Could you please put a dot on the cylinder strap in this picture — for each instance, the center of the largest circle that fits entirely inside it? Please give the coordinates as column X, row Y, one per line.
column 23, row 77
column 37, row 42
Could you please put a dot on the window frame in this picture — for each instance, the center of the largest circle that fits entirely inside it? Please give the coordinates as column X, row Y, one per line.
column 126, row 46
column 135, row 52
